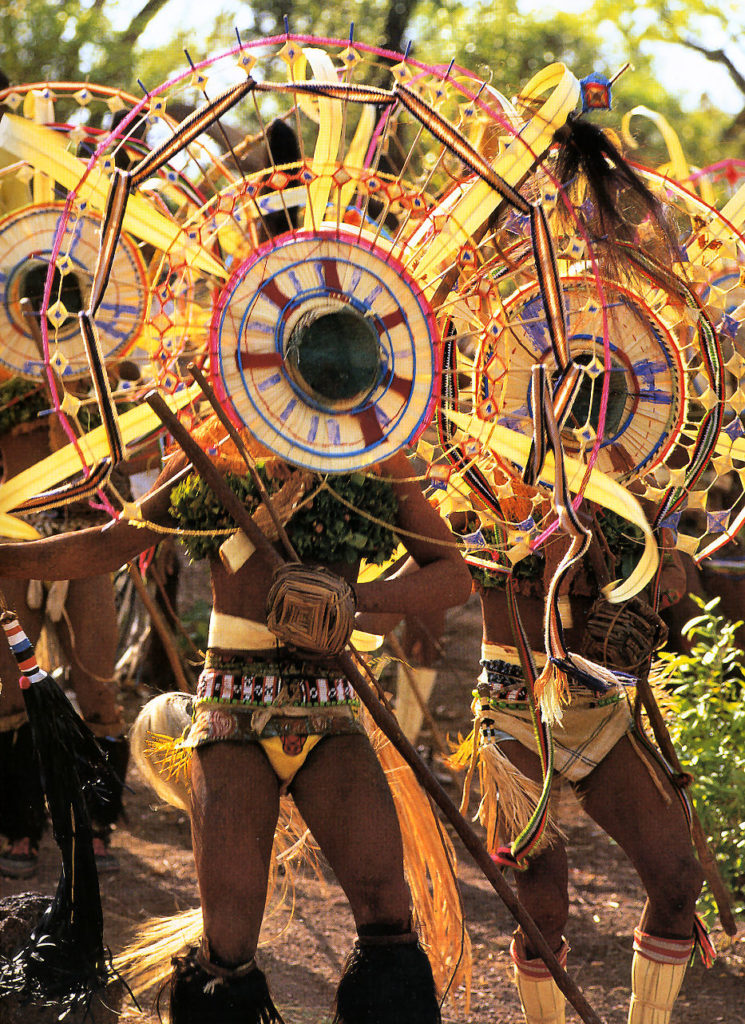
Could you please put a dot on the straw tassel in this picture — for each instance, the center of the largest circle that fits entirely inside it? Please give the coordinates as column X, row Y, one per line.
column 508, row 798
column 429, row 862
column 552, row 692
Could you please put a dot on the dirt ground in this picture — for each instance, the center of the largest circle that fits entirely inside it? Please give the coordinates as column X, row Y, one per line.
column 304, row 962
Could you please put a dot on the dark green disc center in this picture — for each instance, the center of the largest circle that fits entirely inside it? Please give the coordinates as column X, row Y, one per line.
column 334, row 356
column 70, row 294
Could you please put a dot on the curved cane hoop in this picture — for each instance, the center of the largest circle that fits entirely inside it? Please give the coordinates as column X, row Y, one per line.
column 474, row 202
column 677, row 165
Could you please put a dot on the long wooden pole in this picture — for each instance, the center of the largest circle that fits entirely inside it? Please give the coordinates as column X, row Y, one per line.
column 384, row 719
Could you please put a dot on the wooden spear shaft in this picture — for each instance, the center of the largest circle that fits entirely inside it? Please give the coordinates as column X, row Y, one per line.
column 383, row 718
column 211, row 397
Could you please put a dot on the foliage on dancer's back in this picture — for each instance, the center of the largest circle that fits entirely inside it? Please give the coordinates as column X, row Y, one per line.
column 21, row 400
column 195, row 507
column 707, row 724
column 328, row 530
column 343, row 522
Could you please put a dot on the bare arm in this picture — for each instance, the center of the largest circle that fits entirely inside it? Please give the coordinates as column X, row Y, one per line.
column 94, row 551
column 439, row 578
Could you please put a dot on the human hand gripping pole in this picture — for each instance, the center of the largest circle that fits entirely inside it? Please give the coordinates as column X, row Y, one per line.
column 383, row 718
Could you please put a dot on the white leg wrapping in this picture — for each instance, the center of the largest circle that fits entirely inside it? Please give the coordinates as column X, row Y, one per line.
column 541, row 998
column 657, row 972
column 408, row 712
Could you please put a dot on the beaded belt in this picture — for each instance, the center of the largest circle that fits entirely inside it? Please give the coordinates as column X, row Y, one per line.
column 260, row 682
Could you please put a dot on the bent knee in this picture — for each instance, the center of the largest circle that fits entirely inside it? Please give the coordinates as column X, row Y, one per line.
column 674, row 890
column 547, row 902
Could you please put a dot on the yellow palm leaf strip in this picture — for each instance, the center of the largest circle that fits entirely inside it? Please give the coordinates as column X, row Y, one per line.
column 63, row 464
column 77, row 490
column 116, row 205
column 188, row 130
column 458, row 145
column 594, row 485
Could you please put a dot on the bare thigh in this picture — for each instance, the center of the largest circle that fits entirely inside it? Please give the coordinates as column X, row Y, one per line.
column 235, row 805
column 88, row 633
column 344, row 798
column 632, row 799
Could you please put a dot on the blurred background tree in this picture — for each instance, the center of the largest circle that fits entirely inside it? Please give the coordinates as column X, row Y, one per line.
column 115, row 43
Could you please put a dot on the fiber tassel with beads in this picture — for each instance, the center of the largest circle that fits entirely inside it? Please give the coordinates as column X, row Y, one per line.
column 64, row 962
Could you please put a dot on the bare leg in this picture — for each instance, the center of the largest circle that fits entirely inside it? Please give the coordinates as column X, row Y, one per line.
column 622, row 798
column 235, row 806
column 89, row 636
column 342, row 794
column 543, row 886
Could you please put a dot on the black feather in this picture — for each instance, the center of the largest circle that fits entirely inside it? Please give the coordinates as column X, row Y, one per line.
column 620, row 198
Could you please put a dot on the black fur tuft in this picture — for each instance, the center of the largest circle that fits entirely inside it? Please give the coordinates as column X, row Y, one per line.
column 198, row 996
column 387, row 983
column 620, row 198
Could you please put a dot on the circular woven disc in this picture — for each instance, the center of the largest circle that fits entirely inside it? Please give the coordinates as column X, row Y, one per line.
column 258, row 316
column 26, row 238
column 646, row 376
